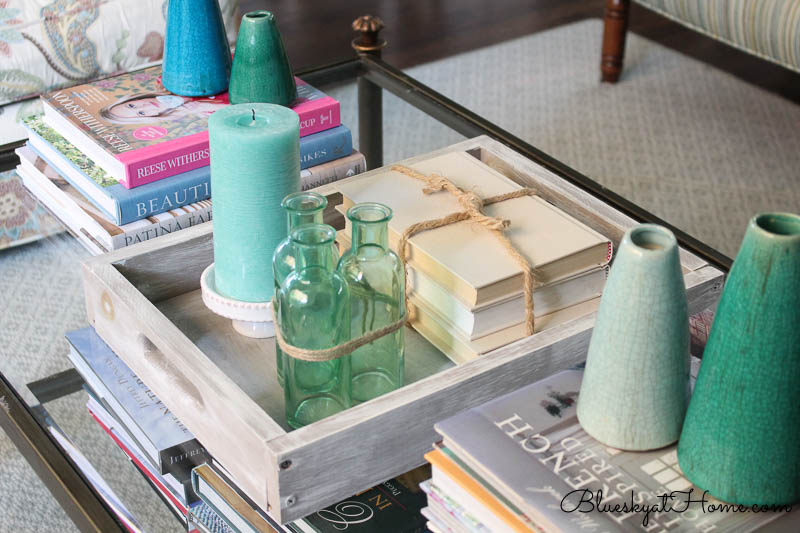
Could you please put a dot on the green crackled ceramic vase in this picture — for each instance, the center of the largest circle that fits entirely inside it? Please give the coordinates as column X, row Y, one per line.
column 261, row 71
column 635, row 388
column 741, row 437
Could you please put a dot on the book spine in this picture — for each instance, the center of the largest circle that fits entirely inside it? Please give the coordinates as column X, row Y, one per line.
column 136, row 461
column 168, row 159
column 324, row 114
column 333, row 171
column 325, row 146
column 143, row 203
column 180, row 459
column 162, row 224
column 163, row 160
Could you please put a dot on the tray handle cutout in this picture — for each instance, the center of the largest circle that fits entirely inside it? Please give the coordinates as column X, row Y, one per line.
column 188, row 391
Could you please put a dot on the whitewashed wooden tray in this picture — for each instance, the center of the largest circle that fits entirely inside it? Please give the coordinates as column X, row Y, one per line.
column 145, row 301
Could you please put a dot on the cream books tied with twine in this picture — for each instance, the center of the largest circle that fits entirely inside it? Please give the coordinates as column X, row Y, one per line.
column 474, row 231
column 465, row 257
column 483, row 233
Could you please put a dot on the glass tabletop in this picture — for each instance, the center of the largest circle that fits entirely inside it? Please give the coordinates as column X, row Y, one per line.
column 42, row 299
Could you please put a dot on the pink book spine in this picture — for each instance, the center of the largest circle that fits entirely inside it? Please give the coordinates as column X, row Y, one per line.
column 168, row 158
column 159, row 161
column 318, row 115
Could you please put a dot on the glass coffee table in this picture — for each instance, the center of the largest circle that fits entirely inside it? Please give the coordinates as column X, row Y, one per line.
column 42, row 399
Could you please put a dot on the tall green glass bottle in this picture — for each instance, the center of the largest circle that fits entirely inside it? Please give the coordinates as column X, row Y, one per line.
column 301, row 208
column 314, row 313
column 376, row 279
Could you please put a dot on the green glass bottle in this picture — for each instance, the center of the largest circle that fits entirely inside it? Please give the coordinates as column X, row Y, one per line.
column 314, row 313
column 376, row 279
column 301, row 208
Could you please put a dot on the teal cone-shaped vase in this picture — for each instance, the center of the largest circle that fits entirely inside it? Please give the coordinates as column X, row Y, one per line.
column 197, row 57
column 261, row 70
column 741, row 437
column 635, row 387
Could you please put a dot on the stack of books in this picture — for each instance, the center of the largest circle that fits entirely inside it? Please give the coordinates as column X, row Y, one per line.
column 199, row 490
column 522, row 463
column 467, row 289
column 120, row 160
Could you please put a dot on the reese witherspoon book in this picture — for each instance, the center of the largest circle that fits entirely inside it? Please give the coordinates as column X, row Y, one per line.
column 139, row 133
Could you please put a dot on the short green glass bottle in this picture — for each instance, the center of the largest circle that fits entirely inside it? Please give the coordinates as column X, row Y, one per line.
column 376, row 279
column 301, row 208
column 313, row 313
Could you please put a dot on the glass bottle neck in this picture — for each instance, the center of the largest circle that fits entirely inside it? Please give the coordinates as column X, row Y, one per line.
column 370, row 234
column 298, row 218
column 313, row 246
column 303, row 208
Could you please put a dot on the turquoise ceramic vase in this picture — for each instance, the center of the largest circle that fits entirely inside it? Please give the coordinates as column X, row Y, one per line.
column 635, row 388
column 741, row 438
column 261, row 70
column 197, row 57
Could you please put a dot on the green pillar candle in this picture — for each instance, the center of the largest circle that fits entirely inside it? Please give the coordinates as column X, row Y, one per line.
column 255, row 163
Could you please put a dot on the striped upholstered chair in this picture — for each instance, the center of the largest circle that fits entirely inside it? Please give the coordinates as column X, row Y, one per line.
column 769, row 29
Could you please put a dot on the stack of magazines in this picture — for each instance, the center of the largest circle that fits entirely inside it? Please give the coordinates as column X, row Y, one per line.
column 198, row 489
column 522, row 463
column 121, row 160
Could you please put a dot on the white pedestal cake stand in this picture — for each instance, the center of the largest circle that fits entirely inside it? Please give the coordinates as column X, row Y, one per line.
column 251, row 319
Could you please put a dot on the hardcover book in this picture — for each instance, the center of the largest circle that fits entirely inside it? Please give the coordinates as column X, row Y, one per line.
column 139, row 132
column 499, row 314
column 391, row 507
column 167, row 443
column 205, row 520
column 88, row 223
column 123, row 206
column 100, row 235
column 338, row 169
column 220, row 494
column 109, row 425
column 529, row 446
column 118, row 204
column 444, row 335
column 465, row 258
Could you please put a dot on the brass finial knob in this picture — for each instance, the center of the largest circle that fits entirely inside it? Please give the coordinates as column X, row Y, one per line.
column 368, row 26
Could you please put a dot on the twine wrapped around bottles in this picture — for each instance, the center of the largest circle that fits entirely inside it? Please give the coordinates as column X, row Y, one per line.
column 473, row 211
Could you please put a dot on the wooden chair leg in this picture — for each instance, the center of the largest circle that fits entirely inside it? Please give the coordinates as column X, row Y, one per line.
column 615, row 27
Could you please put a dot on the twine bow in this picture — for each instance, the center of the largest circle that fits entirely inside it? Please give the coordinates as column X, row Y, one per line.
column 473, row 211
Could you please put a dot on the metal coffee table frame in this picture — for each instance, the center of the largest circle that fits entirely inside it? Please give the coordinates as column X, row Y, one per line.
column 26, row 426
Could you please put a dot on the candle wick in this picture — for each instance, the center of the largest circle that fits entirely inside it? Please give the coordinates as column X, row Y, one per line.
column 254, row 114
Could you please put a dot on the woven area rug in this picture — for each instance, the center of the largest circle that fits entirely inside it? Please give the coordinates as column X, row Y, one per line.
column 696, row 146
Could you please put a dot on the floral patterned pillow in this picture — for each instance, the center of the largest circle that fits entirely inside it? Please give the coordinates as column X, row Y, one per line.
column 22, row 219
column 47, row 44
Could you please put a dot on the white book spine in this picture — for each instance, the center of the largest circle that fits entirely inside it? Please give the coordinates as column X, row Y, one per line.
column 332, row 171
column 90, row 232
column 162, row 224
column 489, row 318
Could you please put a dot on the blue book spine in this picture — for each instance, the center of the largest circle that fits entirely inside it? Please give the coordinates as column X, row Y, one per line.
column 325, row 146
column 162, row 195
